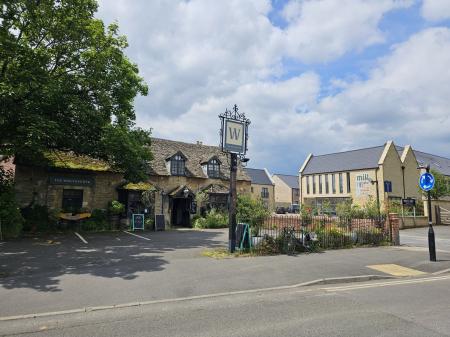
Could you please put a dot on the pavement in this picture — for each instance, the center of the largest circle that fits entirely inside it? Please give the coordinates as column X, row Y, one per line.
column 407, row 307
column 62, row 272
column 418, row 237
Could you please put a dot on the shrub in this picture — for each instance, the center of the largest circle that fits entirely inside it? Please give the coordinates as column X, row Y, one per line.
column 10, row 216
column 213, row 219
column 333, row 238
column 251, row 211
column 116, row 208
column 369, row 236
column 149, row 223
column 39, row 218
column 97, row 222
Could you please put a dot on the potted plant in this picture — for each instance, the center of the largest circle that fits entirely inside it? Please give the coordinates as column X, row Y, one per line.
column 115, row 209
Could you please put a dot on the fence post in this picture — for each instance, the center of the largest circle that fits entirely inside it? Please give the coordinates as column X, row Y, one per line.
column 394, row 228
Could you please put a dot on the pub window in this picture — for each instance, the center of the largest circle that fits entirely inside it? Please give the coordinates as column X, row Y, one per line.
column 327, row 186
column 348, row 182
column 320, row 184
column 341, row 187
column 314, row 184
column 333, row 183
column 265, row 192
column 213, row 168
column 307, row 184
column 177, row 165
column 72, row 200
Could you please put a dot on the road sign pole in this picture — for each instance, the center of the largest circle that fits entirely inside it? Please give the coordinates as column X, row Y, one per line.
column 431, row 240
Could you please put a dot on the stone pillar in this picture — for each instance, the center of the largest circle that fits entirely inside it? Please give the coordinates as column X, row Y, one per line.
column 394, row 228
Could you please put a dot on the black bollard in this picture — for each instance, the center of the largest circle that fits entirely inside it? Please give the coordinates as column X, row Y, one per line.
column 431, row 244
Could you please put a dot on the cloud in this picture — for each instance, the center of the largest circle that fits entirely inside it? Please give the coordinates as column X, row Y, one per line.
column 200, row 57
column 436, row 10
column 405, row 98
column 321, row 31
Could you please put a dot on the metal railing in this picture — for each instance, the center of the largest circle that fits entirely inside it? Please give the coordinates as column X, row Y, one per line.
column 322, row 232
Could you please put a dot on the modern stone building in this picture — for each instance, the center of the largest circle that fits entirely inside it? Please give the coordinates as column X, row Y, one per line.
column 262, row 186
column 287, row 191
column 388, row 172
column 178, row 172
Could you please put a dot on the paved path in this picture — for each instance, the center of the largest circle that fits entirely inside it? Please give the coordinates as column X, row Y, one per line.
column 409, row 308
column 63, row 272
column 418, row 237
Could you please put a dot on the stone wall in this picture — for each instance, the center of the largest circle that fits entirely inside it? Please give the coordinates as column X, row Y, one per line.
column 32, row 185
column 413, row 222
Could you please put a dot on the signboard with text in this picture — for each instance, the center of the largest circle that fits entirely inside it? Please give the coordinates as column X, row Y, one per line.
column 234, row 136
column 138, row 221
column 73, row 181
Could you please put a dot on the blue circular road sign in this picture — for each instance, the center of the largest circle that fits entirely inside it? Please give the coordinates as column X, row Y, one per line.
column 426, row 181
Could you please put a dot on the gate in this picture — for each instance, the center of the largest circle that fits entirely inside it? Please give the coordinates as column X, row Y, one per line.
column 444, row 216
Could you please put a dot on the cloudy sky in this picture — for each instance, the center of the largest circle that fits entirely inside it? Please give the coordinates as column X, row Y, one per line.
column 312, row 75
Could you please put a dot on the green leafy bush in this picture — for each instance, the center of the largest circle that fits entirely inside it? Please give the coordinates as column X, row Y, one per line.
column 370, row 236
column 10, row 216
column 213, row 219
column 39, row 218
column 97, row 222
column 251, row 211
column 116, row 208
column 333, row 238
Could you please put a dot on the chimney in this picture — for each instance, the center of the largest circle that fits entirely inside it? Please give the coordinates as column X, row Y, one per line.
column 199, row 142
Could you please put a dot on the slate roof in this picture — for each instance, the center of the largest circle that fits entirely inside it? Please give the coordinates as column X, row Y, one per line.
column 258, row 176
column 438, row 163
column 291, row 181
column 368, row 158
column 195, row 154
column 345, row 161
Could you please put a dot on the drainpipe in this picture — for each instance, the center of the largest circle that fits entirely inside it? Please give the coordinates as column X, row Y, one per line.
column 404, row 191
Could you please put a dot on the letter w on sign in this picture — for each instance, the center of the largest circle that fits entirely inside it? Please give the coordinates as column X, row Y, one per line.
column 234, row 136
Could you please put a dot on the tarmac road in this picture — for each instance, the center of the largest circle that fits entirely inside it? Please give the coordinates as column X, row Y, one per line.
column 410, row 308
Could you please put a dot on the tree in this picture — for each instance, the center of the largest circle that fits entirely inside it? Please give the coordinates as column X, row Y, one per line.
column 441, row 186
column 66, row 84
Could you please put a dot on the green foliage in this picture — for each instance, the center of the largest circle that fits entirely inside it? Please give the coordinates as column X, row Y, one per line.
column 116, row 208
column 97, row 222
column 251, row 211
column 373, row 236
column 10, row 216
column 39, row 218
column 66, row 84
column 346, row 210
column 441, row 186
column 213, row 219
column 333, row 238
column 149, row 223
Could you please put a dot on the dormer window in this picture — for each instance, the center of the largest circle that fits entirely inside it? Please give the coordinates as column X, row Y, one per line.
column 214, row 168
column 177, row 165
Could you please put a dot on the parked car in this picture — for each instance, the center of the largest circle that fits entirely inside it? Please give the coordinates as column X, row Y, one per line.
column 280, row 210
column 294, row 208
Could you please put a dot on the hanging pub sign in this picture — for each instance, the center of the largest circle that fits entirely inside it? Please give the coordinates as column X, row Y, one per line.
column 72, row 181
column 234, row 131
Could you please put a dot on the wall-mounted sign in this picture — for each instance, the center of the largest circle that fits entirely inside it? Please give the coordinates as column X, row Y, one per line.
column 362, row 185
column 387, row 186
column 138, row 221
column 72, row 181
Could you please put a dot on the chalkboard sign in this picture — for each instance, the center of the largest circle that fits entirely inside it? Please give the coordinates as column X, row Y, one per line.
column 138, row 221
column 243, row 236
column 160, row 222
